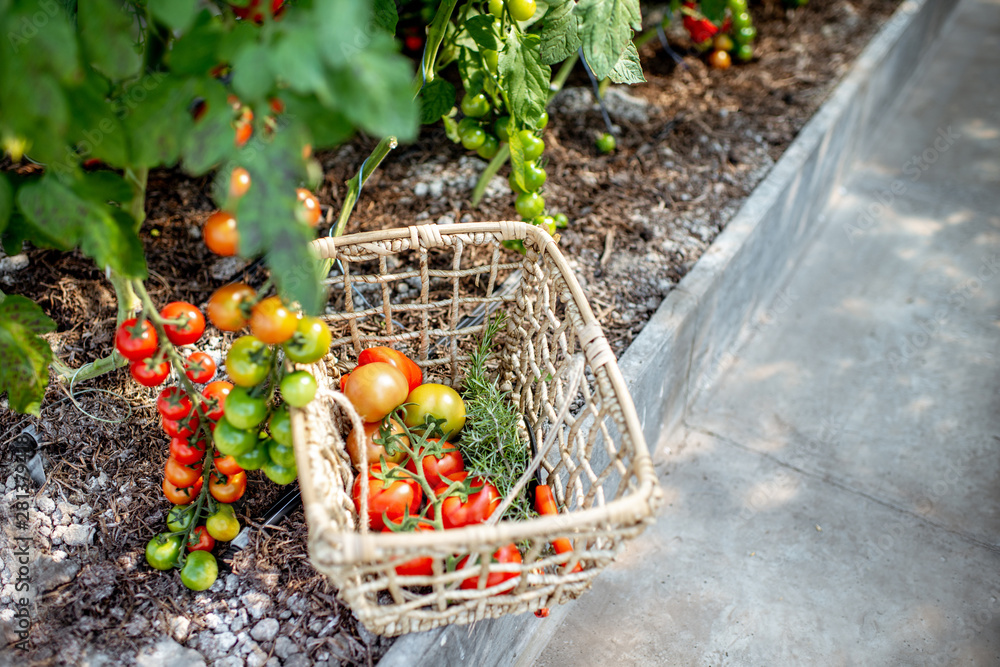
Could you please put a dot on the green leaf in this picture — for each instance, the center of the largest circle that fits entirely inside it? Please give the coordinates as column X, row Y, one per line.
column 527, row 79
column 109, row 35
column 252, row 78
column 295, row 60
column 327, row 128
column 42, row 117
column 24, row 374
column 714, row 10
column 375, row 93
column 94, row 126
column 606, row 29
column 436, row 99
column 267, row 219
column 481, row 29
column 628, row 69
column 560, row 34
column 342, row 30
column 210, row 140
column 516, row 156
column 6, row 201
column 157, row 124
column 104, row 233
column 34, row 47
column 103, row 186
column 470, row 68
column 175, row 14
column 385, row 15
column 199, row 49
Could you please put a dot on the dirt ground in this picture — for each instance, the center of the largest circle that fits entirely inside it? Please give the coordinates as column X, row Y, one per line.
column 693, row 143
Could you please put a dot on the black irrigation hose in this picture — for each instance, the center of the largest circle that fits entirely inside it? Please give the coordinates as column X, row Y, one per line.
column 597, row 92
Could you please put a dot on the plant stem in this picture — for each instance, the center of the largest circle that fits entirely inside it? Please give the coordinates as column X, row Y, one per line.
column 137, row 177
column 435, row 35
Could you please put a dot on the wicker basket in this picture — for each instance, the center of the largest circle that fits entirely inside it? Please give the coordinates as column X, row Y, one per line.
column 561, row 372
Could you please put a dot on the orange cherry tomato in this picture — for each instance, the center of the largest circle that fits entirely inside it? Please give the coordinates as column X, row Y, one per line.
column 181, row 475
column 272, row 322
column 227, row 465
column 225, row 307
column 228, row 488
column 239, row 182
column 310, row 212
column 181, row 496
column 221, row 235
column 375, row 390
column 371, row 431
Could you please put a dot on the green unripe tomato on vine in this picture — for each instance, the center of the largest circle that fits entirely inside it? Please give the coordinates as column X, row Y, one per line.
column 546, row 222
column 496, row 8
column 297, row 388
column 491, row 58
column 489, row 148
column 529, row 204
column 562, row 222
column 532, row 145
column 500, row 127
column 742, row 20
column 737, row 6
column 534, row 178
column 521, row 10
column 745, row 35
column 475, row 106
column 543, row 120
column 744, row 52
column 606, row 143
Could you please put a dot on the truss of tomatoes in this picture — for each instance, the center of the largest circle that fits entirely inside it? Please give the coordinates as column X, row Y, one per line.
column 417, row 479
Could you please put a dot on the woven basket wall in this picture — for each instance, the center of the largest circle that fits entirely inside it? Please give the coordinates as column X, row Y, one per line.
column 559, row 368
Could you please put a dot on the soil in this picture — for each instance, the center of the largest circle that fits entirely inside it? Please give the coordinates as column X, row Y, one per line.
column 692, row 144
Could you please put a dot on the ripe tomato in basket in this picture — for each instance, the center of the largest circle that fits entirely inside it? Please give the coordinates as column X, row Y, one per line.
column 414, row 376
column 375, row 390
column 473, row 504
column 421, row 565
column 389, row 497
column 440, row 461
column 507, row 554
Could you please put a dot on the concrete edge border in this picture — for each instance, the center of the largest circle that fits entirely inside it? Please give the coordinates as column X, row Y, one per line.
column 694, row 334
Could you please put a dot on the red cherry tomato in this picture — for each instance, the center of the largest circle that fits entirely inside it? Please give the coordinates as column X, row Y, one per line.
column 388, row 498
column 181, row 496
column 421, row 565
column 180, row 475
column 476, row 509
column 192, row 322
column 414, row 376
column 186, row 452
column 136, row 341
column 225, row 307
column 227, row 465
column 215, row 395
column 173, row 403
column 254, row 12
column 507, row 554
column 183, row 428
column 201, row 540
column 148, row 374
column 220, row 234
column 199, row 367
column 436, row 469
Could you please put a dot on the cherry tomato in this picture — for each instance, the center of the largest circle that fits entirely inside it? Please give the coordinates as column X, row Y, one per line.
column 562, row 221
column 421, row 565
column 163, row 550
column 310, row 342
column 546, row 222
column 533, row 146
column 199, row 367
column 439, row 467
column 742, row 20
column 472, row 138
column 410, row 370
column 256, row 457
column 543, row 120
column 278, row 473
column 507, row 554
column 606, row 143
column 723, row 42
column 148, row 374
column 223, row 525
column 192, row 322
column 181, row 475
column 232, row 441
column 136, row 341
column 298, row 388
column 375, row 451
column 489, row 148
column 280, row 426
column 502, row 127
column 496, row 8
column 244, row 410
column 182, row 428
column 746, row 34
column 744, row 53
column 413, row 42
column 244, row 130
column 215, row 394
column 475, row 106
column 254, row 12
column 521, row 10
column 389, row 498
column 227, row 465
column 720, row 60
column 272, row 322
column 529, row 204
column 179, row 518
column 281, row 454
column 220, row 233
column 225, row 307
column 239, row 182
column 438, row 401
column 200, row 571
column 227, row 488
column 491, row 58
column 534, row 178
column 181, row 496
column 186, row 452
column 310, row 212
column 375, row 390
column 248, row 361
column 201, row 540
column 173, row 403
column 477, row 507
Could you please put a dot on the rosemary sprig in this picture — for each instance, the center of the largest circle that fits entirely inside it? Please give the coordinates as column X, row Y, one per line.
column 490, row 443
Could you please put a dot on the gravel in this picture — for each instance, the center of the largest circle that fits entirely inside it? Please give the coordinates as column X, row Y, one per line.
column 265, row 630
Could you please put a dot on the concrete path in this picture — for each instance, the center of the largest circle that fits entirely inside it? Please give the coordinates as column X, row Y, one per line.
column 834, row 499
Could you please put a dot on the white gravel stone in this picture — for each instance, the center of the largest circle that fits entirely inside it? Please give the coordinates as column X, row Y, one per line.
column 214, row 621
column 284, row 647
column 239, row 621
column 256, row 603
column 45, row 504
column 273, row 662
column 298, row 660
column 265, row 630
column 179, row 627
column 83, row 512
column 256, row 658
column 14, row 263
column 232, row 582
column 77, row 535
column 168, row 652
column 229, row 661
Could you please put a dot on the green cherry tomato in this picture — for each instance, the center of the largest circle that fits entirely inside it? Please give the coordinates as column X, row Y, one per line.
column 180, row 517
column 744, row 52
column 162, row 551
column 200, row 570
column 472, row 139
column 534, row 178
column 255, row 458
column 475, row 106
column 521, row 10
column 745, row 35
column 546, row 222
column 737, row 6
column 281, row 454
column 467, row 124
column 491, row 58
column 298, row 388
column 742, row 20
column 606, row 143
column 232, row 441
column 280, row 426
column 438, row 401
column 280, row 474
column 529, row 204
column 248, row 361
column 223, row 525
column 543, row 120
column 532, row 145
column 243, row 410
column 489, row 148
column 496, row 8
column 562, row 222
column 500, row 127
column 310, row 342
